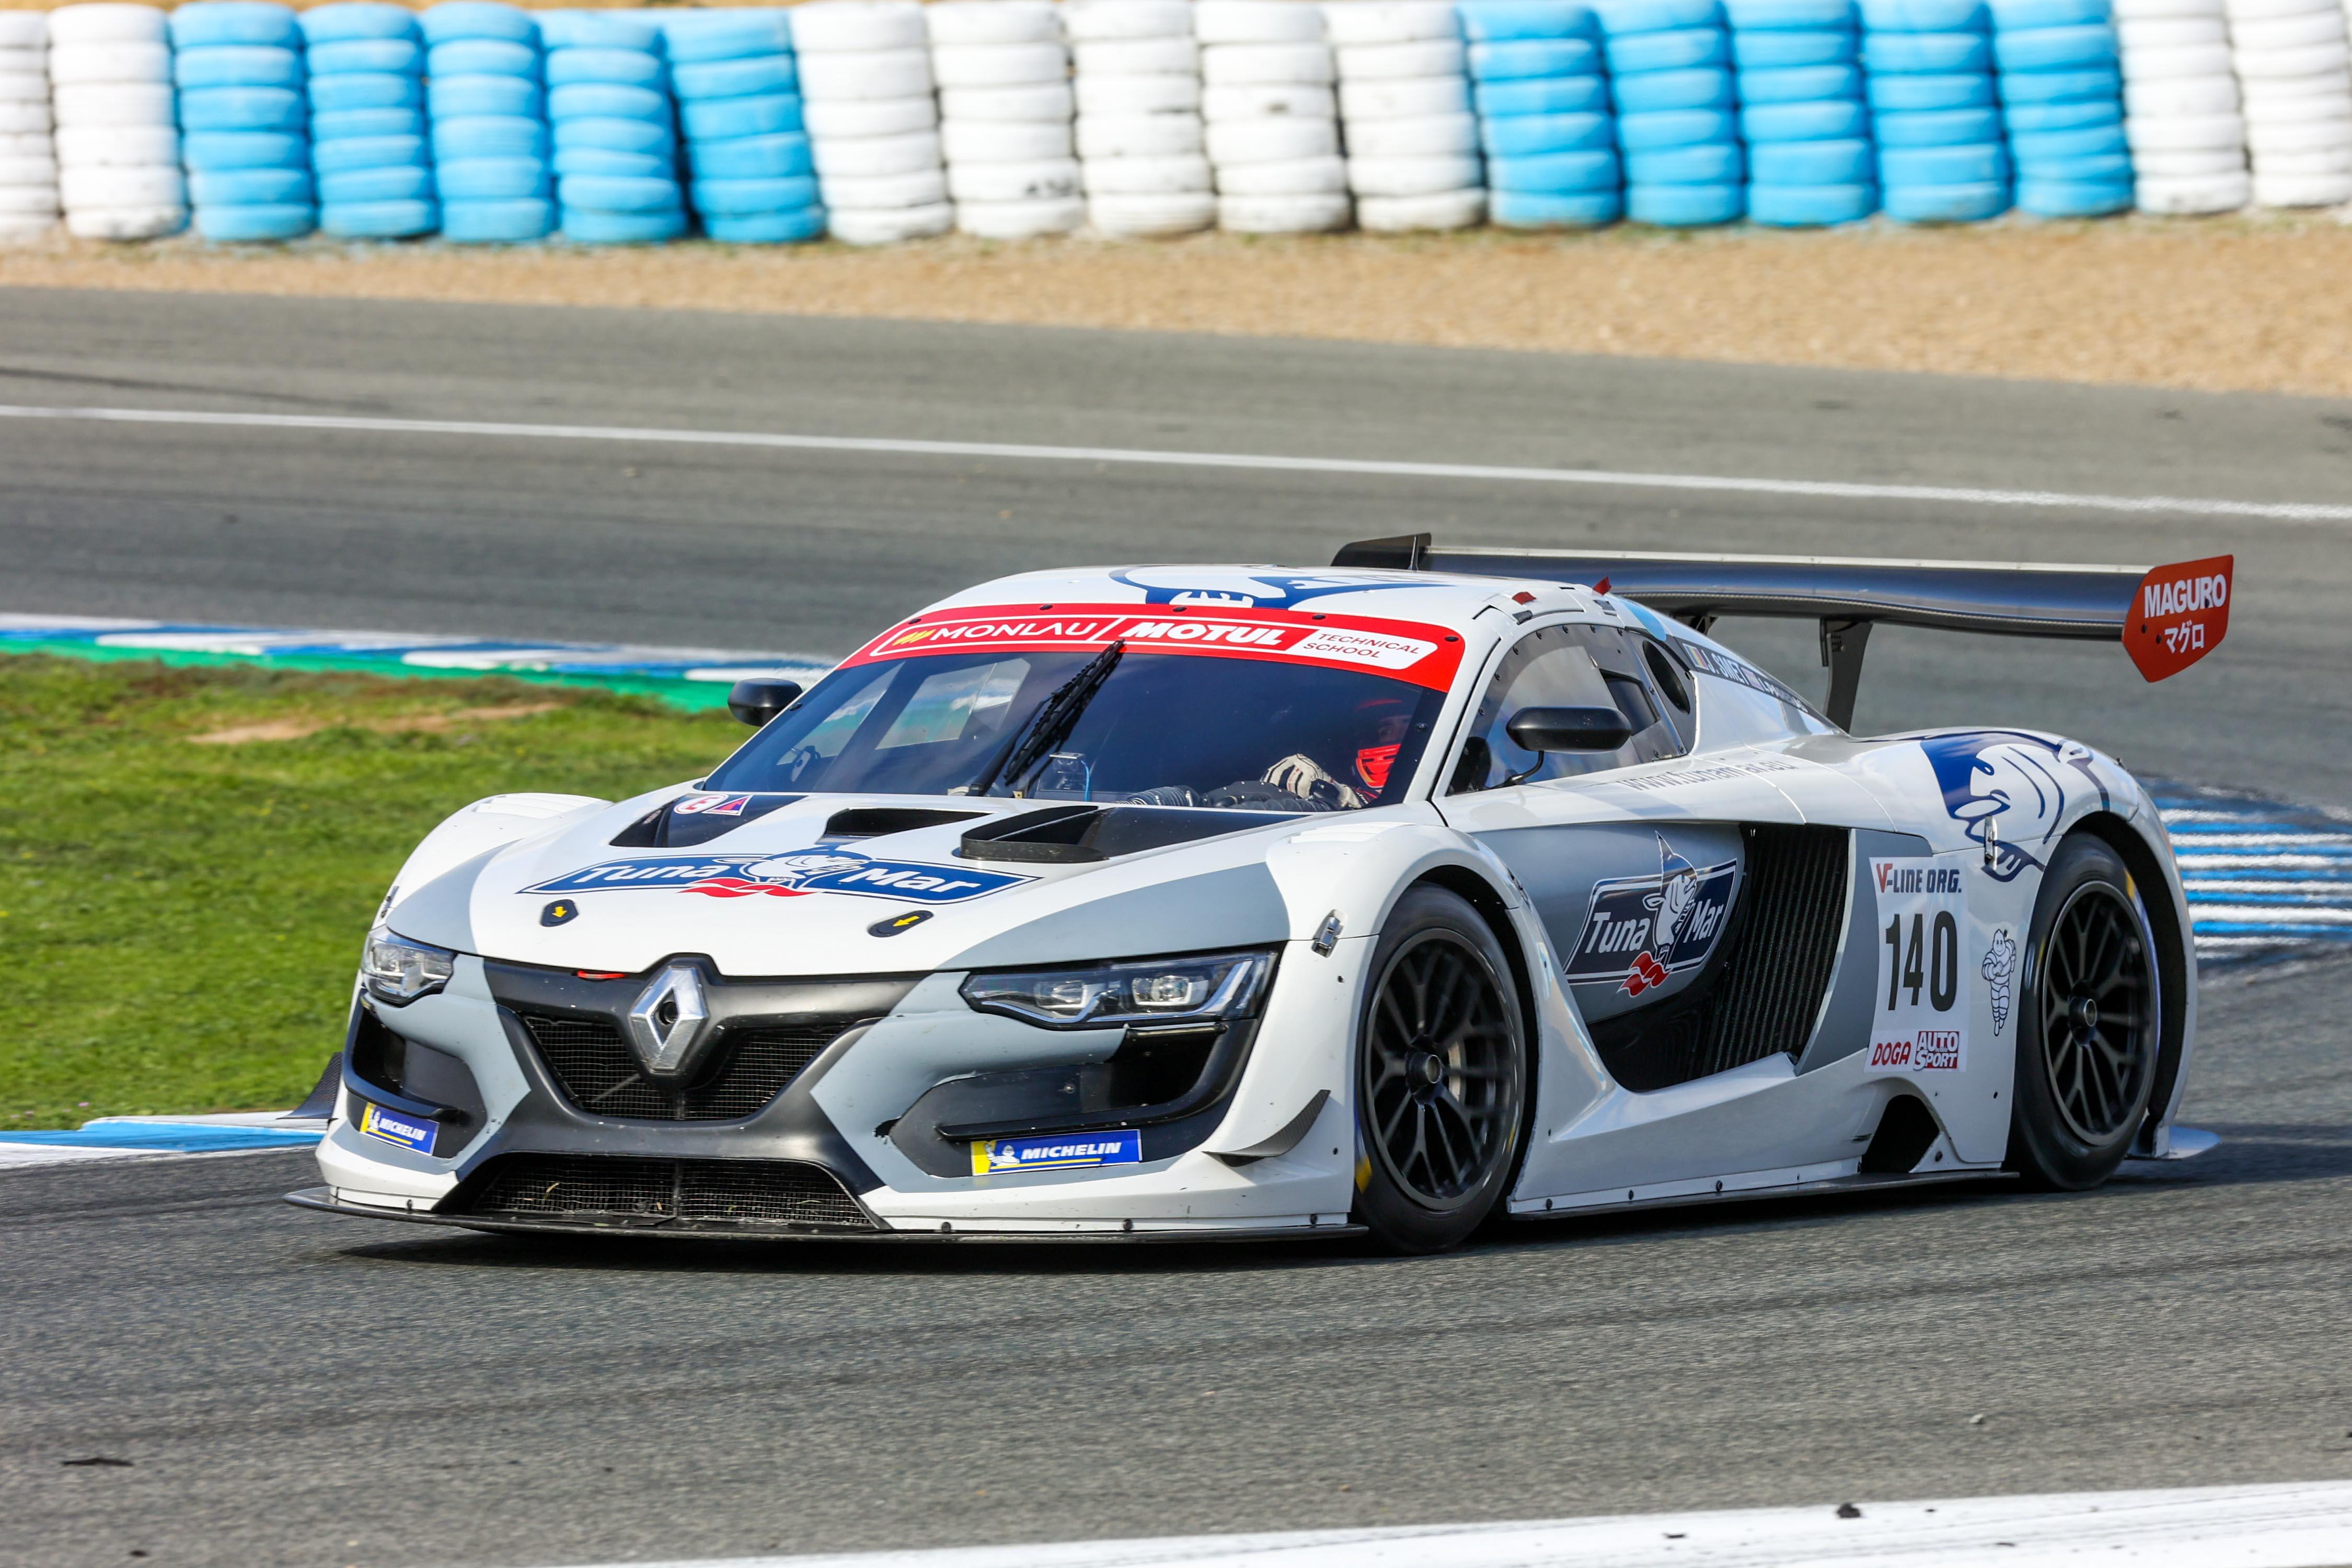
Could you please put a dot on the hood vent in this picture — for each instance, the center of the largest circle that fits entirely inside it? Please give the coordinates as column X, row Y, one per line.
column 877, row 821
column 1078, row 834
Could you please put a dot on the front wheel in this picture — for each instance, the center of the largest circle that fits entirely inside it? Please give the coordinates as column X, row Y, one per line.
column 2087, row 1033
column 1441, row 1076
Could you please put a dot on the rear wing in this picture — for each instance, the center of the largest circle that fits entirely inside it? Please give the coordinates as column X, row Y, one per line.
column 2166, row 617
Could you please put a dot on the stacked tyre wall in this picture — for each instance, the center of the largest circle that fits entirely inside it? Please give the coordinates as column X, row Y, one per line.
column 879, row 120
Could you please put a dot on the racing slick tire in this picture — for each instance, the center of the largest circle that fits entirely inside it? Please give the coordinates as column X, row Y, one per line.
column 1441, row 1076
column 2087, row 1028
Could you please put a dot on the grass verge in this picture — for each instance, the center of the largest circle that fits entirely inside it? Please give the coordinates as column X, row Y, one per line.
column 180, row 916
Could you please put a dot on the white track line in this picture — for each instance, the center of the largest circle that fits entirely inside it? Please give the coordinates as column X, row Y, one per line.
column 2306, row 1525
column 2277, row 511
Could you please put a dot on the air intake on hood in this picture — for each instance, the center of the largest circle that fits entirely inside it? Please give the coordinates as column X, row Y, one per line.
column 1079, row 833
column 874, row 821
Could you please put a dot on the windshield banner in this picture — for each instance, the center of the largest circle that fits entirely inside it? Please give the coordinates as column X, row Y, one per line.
column 1406, row 650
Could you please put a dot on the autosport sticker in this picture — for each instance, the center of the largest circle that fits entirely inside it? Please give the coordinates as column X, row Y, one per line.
column 408, row 1132
column 1921, row 1022
column 782, row 877
column 1409, row 650
column 1640, row 930
column 1060, row 1152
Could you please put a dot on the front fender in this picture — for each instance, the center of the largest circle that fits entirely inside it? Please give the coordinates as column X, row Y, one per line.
column 488, row 823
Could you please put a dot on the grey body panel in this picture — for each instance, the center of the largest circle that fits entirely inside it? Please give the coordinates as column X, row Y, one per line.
column 1844, row 1027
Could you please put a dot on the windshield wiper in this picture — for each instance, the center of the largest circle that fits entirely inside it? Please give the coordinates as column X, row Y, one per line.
column 1052, row 723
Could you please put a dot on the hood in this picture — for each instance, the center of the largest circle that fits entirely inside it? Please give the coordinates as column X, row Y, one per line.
column 839, row 885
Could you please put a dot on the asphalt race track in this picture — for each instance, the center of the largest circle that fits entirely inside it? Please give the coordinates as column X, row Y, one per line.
column 295, row 1388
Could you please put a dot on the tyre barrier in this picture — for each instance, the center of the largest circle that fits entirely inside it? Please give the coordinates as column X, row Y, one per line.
column 873, row 119
column 245, row 114
column 1142, row 151
column 369, row 144
column 28, row 151
column 1270, row 116
column 613, row 129
column 2182, row 120
column 1005, row 110
column 2060, row 81
column 117, row 125
column 1927, row 75
column 1798, row 69
column 486, row 108
column 1677, row 112
column 2289, row 59
column 1405, row 118
column 1541, row 97
column 747, row 147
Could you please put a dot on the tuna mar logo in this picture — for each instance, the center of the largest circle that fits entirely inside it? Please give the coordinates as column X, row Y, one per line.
column 2008, row 788
column 788, row 875
column 1640, row 930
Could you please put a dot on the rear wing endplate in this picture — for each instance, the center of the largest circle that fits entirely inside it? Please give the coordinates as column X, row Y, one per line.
column 2166, row 617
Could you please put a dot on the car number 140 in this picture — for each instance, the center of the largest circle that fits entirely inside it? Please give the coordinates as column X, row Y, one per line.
column 1921, row 1022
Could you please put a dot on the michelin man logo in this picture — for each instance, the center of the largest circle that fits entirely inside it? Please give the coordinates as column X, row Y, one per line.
column 1271, row 590
column 2008, row 787
column 2000, row 970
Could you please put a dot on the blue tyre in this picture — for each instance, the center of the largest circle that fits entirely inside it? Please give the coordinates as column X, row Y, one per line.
column 352, row 20
column 697, row 38
column 1528, row 209
column 2007, row 14
column 1684, row 48
column 1851, row 162
column 451, row 96
column 617, row 135
column 2074, row 198
column 243, row 149
column 1533, row 135
column 487, row 136
column 1925, row 16
column 2085, row 169
column 250, row 188
column 629, row 193
column 379, row 220
column 595, row 161
column 1803, row 122
column 1985, row 163
column 367, row 152
column 1810, row 207
column 1936, row 127
column 343, row 122
column 604, row 67
column 736, row 79
column 243, row 108
column 1791, row 15
column 238, row 65
column 403, row 56
column 1522, row 60
column 2045, row 146
column 782, row 156
column 1718, row 165
column 1945, row 204
column 1802, row 84
column 606, row 100
column 2103, row 83
column 496, row 222
column 457, row 20
column 1556, row 95
column 1955, row 89
column 2039, row 119
column 1556, row 174
column 1686, row 207
column 481, row 57
column 1619, row 18
column 1925, row 54
column 583, row 226
column 351, row 90
column 234, row 225
column 722, row 119
column 493, row 180
column 1789, row 52
column 794, row 227
column 598, row 30
column 1653, row 92
column 1677, row 128
column 746, row 198
column 2054, row 48
column 353, row 187
column 211, row 22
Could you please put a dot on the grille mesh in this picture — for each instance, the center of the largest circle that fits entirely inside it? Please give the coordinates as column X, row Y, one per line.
column 1775, row 975
column 750, row 1065
column 685, row 1193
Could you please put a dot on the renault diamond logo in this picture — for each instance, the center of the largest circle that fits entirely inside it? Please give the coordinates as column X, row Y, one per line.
column 667, row 1024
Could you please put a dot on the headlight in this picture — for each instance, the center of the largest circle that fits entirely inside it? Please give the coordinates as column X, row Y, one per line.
column 1143, row 991
column 399, row 971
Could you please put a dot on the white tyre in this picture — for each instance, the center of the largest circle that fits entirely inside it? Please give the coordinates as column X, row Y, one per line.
column 1139, row 135
column 2208, row 164
column 1148, row 177
column 2263, row 10
column 888, row 226
column 1139, row 216
column 1136, row 57
column 23, row 29
column 73, row 65
column 1000, row 64
column 29, row 61
column 42, row 144
column 1270, row 141
column 870, row 157
column 2303, row 61
column 1050, row 179
column 1412, row 176
column 1297, row 177
column 2336, row 160
column 1238, row 63
column 1049, row 100
column 865, row 73
column 837, row 27
column 153, row 186
column 2297, row 110
column 1020, row 220
column 2181, row 95
column 125, row 223
column 1428, row 136
column 871, row 117
column 1087, row 20
column 924, row 187
column 1283, row 215
column 2292, row 89
column 26, row 227
column 1143, row 94
column 1000, row 141
column 115, row 103
column 2313, row 136
column 22, row 171
column 960, row 22
column 1437, row 210
column 2187, row 59
column 2185, row 133
column 1268, row 103
column 1257, row 22
column 28, row 199
column 1403, row 100
column 106, row 25
column 1390, row 21
column 1389, row 62
column 2301, row 190
column 2191, row 194
column 2135, row 10
column 2169, row 32
column 2289, row 32
column 24, row 118
column 24, row 87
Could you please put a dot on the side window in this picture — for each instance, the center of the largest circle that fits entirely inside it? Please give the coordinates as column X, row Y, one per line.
column 1574, row 667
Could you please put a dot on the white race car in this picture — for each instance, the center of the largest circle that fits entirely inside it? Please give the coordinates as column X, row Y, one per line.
column 1186, row 902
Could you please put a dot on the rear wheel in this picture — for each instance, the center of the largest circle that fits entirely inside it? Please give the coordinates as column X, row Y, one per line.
column 2087, row 1031
column 1441, row 1076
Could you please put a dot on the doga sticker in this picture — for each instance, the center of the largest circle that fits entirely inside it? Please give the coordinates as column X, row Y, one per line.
column 782, row 876
column 1921, row 1023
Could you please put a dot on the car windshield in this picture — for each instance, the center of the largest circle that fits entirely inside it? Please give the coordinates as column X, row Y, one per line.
column 1150, row 728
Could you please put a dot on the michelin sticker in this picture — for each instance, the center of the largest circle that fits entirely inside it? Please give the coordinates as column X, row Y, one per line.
column 1640, row 930
column 1922, row 1021
column 2000, row 970
column 782, row 877
column 408, row 1132
column 1061, row 1151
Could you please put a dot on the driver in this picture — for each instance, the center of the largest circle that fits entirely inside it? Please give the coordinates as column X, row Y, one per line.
column 1380, row 727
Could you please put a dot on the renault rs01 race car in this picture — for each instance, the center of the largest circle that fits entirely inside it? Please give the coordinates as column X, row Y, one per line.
column 1191, row 903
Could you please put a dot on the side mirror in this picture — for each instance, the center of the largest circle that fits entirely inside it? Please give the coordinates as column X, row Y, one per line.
column 1568, row 729
column 757, row 702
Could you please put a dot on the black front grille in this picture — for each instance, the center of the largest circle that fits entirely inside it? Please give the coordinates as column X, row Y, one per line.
column 751, row 1062
column 588, row 1189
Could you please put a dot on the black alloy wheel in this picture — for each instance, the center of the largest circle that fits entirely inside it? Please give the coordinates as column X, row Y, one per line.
column 2088, row 1038
column 1442, row 1082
